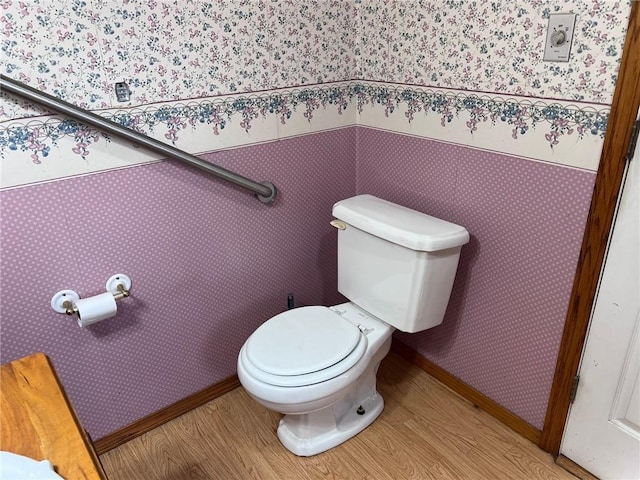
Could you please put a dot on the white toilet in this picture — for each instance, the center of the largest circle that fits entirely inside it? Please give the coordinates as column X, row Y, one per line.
column 317, row 365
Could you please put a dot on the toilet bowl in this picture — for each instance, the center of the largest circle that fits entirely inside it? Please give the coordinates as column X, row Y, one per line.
column 317, row 365
column 323, row 376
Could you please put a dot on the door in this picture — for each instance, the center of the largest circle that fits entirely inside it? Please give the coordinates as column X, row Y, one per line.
column 603, row 430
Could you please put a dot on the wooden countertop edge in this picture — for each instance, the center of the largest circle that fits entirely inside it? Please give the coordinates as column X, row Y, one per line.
column 83, row 433
column 43, row 368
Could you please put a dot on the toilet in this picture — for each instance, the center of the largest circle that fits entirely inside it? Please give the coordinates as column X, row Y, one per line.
column 317, row 365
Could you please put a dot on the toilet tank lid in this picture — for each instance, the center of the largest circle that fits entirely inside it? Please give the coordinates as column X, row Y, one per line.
column 400, row 225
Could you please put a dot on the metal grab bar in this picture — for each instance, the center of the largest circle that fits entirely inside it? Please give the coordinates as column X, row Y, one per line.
column 265, row 191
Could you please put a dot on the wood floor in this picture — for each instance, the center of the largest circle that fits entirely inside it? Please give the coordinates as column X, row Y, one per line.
column 425, row 432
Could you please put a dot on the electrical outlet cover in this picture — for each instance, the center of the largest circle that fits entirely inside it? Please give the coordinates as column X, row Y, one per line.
column 123, row 93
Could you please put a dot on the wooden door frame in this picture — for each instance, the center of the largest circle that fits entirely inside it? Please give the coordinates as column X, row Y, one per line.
column 613, row 159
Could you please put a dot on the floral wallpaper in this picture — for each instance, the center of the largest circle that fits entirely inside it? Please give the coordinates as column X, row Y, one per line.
column 473, row 66
column 311, row 41
column 492, row 46
column 192, row 49
column 175, row 50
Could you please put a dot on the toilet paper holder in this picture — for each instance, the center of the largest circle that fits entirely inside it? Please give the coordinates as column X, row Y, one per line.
column 119, row 285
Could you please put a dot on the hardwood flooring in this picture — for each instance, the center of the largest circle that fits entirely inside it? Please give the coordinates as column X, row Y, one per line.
column 425, row 432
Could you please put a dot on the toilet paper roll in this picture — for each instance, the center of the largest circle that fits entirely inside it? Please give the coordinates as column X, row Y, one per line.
column 95, row 309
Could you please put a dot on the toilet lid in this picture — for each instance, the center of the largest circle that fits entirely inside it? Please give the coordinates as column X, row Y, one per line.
column 302, row 341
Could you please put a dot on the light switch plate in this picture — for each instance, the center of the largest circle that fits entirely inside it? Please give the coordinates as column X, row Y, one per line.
column 559, row 37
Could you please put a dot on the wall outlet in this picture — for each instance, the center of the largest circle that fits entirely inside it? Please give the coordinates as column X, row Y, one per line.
column 123, row 94
column 559, row 37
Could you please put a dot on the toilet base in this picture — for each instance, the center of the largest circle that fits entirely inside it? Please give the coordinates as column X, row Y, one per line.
column 316, row 432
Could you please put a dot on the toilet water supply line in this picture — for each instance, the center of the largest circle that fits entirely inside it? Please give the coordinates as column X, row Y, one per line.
column 265, row 191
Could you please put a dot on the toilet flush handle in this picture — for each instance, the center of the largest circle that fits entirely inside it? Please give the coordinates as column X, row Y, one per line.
column 339, row 224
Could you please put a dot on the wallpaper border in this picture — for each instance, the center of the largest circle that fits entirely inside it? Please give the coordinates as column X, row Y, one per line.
column 547, row 130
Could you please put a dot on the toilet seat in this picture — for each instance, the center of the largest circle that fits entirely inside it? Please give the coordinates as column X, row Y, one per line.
column 303, row 346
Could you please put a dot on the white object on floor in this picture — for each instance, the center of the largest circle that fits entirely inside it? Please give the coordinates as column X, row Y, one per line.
column 18, row 467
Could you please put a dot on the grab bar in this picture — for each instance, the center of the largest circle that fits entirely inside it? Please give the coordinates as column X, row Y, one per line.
column 265, row 191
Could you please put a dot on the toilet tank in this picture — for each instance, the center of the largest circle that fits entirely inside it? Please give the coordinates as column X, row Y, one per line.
column 397, row 264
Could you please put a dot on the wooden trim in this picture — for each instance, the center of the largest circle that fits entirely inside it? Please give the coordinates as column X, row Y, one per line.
column 575, row 469
column 160, row 417
column 469, row 393
column 624, row 108
column 144, row 425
